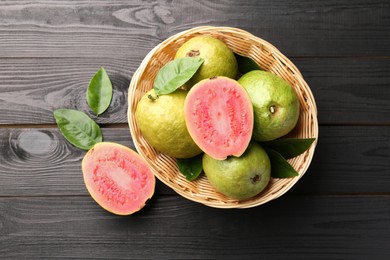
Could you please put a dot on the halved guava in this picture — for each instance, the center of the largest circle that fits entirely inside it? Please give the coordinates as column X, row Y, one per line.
column 117, row 178
column 219, row 117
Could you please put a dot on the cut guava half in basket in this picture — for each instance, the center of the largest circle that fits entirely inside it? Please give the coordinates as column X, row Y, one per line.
column 219, row 117
column 117, row 178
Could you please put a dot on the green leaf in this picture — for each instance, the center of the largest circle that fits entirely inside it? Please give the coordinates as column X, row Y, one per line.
column 175, row 73
column 280, row 167
column 99, row 93
column 246, row 64
column 78, row 128
column 191, row 168
column 290, row 147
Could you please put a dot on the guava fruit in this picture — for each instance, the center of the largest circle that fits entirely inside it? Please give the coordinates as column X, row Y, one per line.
column 162, row 124
column 117, row 178
column 219, row 117
column 239, row 177
column 275, row 104
column 219, row 60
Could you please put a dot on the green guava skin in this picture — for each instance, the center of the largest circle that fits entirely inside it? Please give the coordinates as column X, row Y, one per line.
column 239, row 177
column 275, row 104
column 162, row 123
column 219, row 60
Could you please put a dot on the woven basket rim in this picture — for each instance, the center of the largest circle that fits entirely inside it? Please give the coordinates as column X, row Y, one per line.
column 282, row 185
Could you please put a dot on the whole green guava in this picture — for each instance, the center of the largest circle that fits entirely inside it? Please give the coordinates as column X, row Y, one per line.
column 162, row 123
column 219, row 60
column 275, row 104
column 239, row 177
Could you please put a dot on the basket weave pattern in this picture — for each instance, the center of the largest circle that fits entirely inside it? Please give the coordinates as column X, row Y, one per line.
column 269, row 58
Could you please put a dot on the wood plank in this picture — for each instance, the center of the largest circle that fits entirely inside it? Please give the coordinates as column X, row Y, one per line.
column 170, row 227
column 117, row 28
column 31, row 89
column 348, row 159
column 38, row 162
column 347, row 90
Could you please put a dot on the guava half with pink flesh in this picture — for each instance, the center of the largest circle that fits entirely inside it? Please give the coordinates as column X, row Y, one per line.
column 117, row 178
column 219, row 117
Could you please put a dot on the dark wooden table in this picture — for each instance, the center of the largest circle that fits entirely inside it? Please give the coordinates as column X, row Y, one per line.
column 50, row 49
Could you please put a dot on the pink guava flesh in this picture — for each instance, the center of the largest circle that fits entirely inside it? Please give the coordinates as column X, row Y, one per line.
column 117, row 178
column 219, row 117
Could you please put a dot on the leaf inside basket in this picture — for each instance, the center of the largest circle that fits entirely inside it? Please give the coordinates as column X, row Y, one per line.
column 290, row 147
column 280, row 168
column 246, row 64
column 191, row 168
column 175, row 73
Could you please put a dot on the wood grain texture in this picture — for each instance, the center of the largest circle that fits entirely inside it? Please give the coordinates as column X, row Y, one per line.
column 351, row 160
column 31, row 89
column 114, row 28
column 50, row 49
column 37, row 162
column 170, row 227
column 347, row 90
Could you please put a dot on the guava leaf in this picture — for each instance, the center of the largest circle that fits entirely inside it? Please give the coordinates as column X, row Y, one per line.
column 280, row 167
column 99, row 93
column 290, row 147
column 246, row 64
column 191, row 168
column 175, row 73
column 78, row 128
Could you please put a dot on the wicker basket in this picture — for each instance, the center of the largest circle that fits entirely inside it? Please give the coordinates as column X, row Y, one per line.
column 270, row 59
